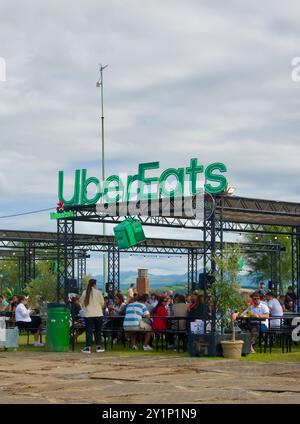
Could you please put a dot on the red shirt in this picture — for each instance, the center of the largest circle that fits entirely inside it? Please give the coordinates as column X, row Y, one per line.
column 159, row 322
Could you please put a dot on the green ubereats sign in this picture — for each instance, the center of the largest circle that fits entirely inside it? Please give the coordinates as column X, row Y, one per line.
column 117, row 189
column 59, row 215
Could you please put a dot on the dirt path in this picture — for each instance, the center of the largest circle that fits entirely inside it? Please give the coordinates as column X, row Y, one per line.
column 102, row 378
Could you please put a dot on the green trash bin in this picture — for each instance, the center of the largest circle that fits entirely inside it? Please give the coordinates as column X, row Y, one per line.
column 58, row 328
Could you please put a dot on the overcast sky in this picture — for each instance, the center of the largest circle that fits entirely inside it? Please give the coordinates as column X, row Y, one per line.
column 185, row 79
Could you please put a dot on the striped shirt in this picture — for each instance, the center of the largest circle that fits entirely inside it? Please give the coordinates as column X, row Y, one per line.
column 134, row 314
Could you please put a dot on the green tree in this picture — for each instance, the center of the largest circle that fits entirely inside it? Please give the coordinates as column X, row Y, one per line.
column 225, row 291
column 261, row 262
column 9, row 274
column 45, row 283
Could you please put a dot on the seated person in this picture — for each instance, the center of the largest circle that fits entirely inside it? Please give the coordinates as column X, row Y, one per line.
column 77, row 316
column 197, row 308
column 4, row 305
column 257, row 310
column 290, row 299
column 159, row 314
column 24, row 320
column 117, row 311
column 160, row 323
column 275, row 309
column 76, row 308
column 281, row 301
column 152, row 302
column 180, row 310
column 137, row 319
column 13, row 303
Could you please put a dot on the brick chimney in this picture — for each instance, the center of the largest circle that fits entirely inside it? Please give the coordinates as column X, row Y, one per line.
column 142, row 282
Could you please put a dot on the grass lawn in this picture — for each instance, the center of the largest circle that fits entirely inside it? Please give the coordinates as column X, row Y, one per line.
column 118, row 349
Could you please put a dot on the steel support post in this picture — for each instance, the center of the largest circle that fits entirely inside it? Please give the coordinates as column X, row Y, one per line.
column 81, row 268
column 192, row 270
column 213, row 245
column 65, row 255
column 298, row 268
column 113, row 269
column 275, row 271
column 295, row 256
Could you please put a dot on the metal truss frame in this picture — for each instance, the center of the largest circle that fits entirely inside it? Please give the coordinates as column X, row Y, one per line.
column 113, row 270
column 65, row 255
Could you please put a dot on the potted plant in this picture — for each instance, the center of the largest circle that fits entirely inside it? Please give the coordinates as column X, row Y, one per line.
column 226, row 296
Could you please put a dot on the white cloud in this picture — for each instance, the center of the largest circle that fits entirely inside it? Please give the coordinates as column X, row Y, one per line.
column 184, row 79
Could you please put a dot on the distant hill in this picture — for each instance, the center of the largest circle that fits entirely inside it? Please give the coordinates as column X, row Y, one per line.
column 157, row 281
column 128, row 277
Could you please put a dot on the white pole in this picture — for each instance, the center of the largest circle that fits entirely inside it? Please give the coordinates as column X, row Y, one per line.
column 103, row 166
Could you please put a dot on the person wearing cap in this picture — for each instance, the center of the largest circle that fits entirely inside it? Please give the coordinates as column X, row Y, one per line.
column 275, row 309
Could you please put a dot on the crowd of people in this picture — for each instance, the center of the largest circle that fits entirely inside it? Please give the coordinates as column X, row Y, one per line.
column 137, row 316
column 265, row 311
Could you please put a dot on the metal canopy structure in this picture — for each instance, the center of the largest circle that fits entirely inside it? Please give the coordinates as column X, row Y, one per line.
column 27, row 247
column 241, row 210
column 256, row 213
column 231, row 214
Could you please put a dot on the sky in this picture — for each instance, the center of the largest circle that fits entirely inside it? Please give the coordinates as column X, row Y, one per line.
column 205, row 79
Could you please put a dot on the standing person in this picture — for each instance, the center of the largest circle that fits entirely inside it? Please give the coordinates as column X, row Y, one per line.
column 92, row 302
column 24, row 320
column 130, row 291
column 261, row 289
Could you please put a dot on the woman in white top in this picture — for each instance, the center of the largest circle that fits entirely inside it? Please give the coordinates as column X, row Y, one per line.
column 92, row 302
column 24, row 320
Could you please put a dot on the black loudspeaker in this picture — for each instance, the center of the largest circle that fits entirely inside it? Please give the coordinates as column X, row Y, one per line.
column 201, row 281
column 210, row 280
column 71, row 286
column 271, row 285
